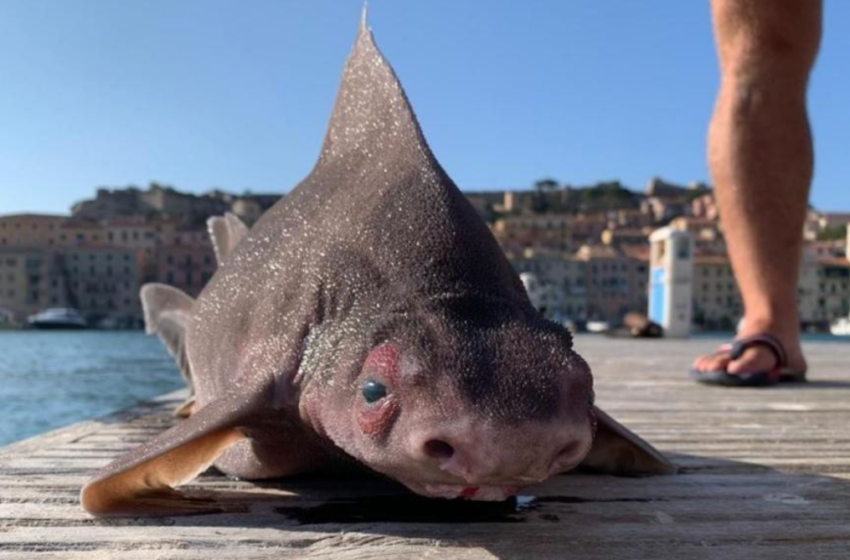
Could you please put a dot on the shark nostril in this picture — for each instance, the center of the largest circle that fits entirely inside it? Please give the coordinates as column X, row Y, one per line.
column 570, row 449
column 438, row 449
column 567, row 456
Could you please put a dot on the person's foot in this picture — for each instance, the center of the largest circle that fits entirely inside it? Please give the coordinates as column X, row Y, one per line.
column 756, row 358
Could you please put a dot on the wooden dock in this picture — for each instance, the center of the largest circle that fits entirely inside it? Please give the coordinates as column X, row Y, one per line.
column 765, row 474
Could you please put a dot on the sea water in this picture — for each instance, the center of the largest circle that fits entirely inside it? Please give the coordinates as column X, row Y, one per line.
column 50, row 379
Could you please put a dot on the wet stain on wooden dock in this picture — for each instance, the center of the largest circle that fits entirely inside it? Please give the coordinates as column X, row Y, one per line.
column 415, row 509
column 404, row 509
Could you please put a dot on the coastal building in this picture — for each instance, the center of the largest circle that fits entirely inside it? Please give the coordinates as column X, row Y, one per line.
column 808, row 288
column 630, row 218
column 486, row 203
column 659, row 188
column 834, row 288
column 164, row 202
column 81, row 233
column 25, row 277
column 717, row 303
column 544, row 296
column 144, row 237
column 665, row 201
column 560, row 282
column 587, row 230
column 156, row 201
column 616, row 282
column 187, row 262
column 30, row 230
column 821, row 225
column 836, row 248
column 705, row 206
column 97, row 259
column 133, row 233
column 811, row 225
column 101, row 281
column 823, row 292
column 599, row 282
column 706, row 233
column 829, row 220
column 544, row 231
column 553, row 200
column 250, row 208
column 7, row 318
column 670, row 290
column 622, row 236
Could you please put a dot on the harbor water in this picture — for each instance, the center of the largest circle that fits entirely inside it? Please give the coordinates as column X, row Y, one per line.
column 50, row 379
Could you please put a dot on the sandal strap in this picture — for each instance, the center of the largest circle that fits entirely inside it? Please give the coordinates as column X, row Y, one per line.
column 740, row 345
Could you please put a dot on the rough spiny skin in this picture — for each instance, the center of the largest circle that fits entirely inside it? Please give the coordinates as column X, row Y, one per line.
column 376, row 245
column 375, row 271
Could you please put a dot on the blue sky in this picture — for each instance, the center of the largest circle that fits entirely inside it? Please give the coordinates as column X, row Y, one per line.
column 237, row 95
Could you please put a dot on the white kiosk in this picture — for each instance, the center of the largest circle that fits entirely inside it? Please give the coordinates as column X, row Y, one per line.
column 671, row 264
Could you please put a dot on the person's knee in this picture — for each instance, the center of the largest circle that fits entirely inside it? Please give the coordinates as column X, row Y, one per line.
column 769, row 38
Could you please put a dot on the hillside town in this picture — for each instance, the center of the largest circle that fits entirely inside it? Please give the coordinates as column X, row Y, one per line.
column 583, row 252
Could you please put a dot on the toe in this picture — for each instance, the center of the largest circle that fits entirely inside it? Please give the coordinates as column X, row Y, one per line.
column 717, row 362
column 711, row 362
column 753, row 360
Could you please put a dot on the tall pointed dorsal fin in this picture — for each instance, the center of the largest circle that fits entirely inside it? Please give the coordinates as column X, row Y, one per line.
column 225, row 232
column 372, row 115
column 375, row 163
column 364, row 16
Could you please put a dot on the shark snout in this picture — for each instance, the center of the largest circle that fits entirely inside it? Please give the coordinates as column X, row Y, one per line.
column 519, row 457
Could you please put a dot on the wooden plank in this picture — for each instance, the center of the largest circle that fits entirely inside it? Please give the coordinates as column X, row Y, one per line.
column 766, row 474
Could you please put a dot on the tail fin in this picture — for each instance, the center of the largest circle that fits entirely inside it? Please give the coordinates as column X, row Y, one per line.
column 167, row 314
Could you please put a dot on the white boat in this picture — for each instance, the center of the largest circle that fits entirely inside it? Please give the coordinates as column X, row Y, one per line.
column 840, row 327
column 58, row 318
column 598, row 326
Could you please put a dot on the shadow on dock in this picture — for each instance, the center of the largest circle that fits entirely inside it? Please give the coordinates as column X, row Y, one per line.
column 717, row 502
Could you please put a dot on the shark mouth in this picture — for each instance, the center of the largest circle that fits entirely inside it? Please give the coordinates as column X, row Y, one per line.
column 467, row 492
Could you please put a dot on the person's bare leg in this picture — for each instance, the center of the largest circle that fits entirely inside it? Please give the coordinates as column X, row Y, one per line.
column 760, row 152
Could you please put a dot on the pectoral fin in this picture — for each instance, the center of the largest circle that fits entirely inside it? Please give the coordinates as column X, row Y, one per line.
column 167, row 314
column 143, row 481
column 618, row 450
column 226, row 232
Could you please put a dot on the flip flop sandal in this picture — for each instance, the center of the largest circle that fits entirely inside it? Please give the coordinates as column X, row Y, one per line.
column 736, row 349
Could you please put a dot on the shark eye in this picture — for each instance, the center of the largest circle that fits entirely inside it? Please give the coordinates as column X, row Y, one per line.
column 373, row 391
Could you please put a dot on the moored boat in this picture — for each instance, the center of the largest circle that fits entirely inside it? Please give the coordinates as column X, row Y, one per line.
column 840, row 327
column 598, row 326
column 58, row 318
